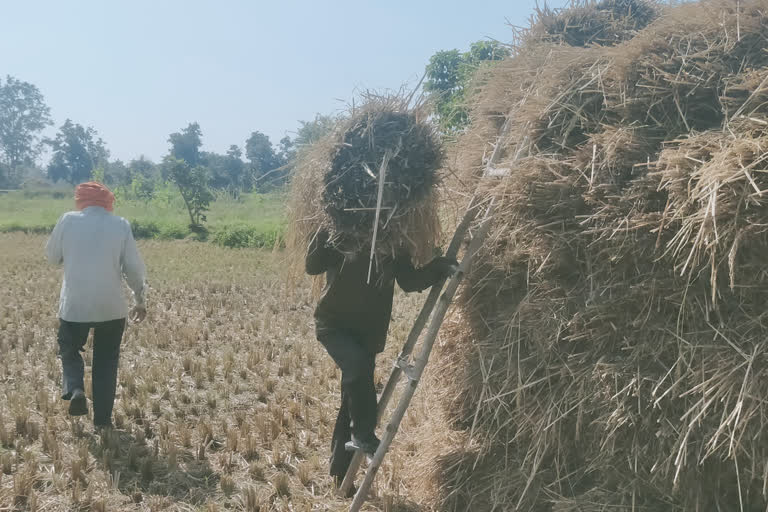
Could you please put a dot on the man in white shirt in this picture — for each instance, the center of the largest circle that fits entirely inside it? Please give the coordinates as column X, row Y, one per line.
column 96, row 249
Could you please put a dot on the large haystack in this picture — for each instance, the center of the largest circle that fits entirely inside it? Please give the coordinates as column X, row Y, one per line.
column 609, row 351
column 335, row 184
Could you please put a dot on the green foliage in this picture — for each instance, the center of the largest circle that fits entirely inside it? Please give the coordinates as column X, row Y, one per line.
column 144, row 229
column 97, row 174
column 449, row 74
column 142, row 188
column 116, row 174
column 23, row 116
column 250, row 220
column 312, row 131
column 76, row 152
column 173, row 232
column 228, row 172
column 193, row 186
column 185, row 145
column 143, row 167
column 243, row 235
column 262, row 156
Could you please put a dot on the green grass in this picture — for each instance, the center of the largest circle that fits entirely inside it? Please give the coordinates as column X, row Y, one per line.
column 254, row 220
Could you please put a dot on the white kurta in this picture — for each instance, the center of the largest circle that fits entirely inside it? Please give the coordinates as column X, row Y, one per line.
column 96, row 249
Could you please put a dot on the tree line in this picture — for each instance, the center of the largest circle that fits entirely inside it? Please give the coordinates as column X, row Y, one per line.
column 77, row 153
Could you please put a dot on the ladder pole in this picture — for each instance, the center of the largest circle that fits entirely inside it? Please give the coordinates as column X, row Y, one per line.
column 421, row 362
column 426, row 311
column 413, row 337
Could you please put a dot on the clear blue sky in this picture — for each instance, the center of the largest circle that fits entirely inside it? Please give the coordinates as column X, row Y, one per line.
column 139, row 70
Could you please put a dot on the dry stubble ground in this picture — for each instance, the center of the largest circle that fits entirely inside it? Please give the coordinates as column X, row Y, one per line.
column 225, row 400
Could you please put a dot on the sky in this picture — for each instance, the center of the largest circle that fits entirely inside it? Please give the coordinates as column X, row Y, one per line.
column 139, row 70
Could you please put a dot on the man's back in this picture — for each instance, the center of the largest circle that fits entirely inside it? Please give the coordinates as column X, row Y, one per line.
column 96, row 248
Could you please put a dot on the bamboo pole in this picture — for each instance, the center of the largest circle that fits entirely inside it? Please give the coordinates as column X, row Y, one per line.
column 382, row 175
column 421, row 362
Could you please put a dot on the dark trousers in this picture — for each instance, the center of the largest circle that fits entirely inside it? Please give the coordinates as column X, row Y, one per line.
column 357, row 413
column 106, row 356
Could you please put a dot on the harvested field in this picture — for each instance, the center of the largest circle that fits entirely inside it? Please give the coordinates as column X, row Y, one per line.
column 225, row 399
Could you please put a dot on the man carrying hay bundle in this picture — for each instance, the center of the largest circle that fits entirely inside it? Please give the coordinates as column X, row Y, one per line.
column 96, row 249
column 364, row 199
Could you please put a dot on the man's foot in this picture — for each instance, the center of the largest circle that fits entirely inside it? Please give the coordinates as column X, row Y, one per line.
column 78, row 405
column 368, row 444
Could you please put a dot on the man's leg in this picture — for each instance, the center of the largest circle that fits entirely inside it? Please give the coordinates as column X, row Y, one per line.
column 342, row 434
column 357, row 367
column 72, row 337
column 106, row 359
column 362, row 398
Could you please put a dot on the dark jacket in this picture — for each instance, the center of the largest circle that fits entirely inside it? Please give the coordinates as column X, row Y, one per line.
column 350, row 304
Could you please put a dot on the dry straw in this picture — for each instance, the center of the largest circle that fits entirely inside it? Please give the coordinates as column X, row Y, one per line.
column 609, row 350
column 336, row 182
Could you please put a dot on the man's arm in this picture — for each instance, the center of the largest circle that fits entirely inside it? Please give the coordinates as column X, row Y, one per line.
column 54, row 248
column 320, row 257
column 133, row 267
column 412, row 279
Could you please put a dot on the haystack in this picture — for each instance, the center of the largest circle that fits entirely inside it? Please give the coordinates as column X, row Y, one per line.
column 609, row 351
column 336, row 182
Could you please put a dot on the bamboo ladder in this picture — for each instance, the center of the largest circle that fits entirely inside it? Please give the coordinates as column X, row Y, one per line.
column 414, row 371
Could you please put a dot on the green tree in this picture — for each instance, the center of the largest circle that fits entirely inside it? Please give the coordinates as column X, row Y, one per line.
column 117, row 173
column 227, row 171
column 261, row 154
column 286, row 150
column 185, row 145
column 311, row 131
column 239, row 179
column 144, row 167
column 23, row 116
column 449, row 74
column 217, row 171
column 193, row 186
column 142, row 187
column 76, row 152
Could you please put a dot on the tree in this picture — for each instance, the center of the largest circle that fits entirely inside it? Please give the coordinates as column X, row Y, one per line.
column 76, row 152
column 23, row 116
column 312, row 131
column 287, row 149
column 449, row 74
column 259, row 150
column 185, row 145
column 235, row 168
column 218, row 177
column 143, row 167
column 193, row 186
column 117, row 173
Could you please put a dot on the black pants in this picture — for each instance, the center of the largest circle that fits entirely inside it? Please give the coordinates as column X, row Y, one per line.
column 357, row 413
column 106, row 356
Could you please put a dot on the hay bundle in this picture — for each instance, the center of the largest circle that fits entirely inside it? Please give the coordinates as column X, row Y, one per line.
column 609, row 349
column 591, row 22
column 335, row 186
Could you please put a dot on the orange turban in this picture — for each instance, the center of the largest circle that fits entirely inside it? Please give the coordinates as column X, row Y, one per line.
column 93, row 194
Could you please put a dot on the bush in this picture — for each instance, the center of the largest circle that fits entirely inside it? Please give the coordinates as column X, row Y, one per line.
column 173, row 232
column 145, row 229
column 240, row 236
column 36, row 230
column 47, row 193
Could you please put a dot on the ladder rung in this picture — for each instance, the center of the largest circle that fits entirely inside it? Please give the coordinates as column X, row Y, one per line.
column 408, row 369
